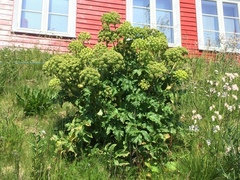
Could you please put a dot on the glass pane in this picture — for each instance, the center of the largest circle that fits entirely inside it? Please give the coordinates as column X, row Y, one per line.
column 210, row 23
column 230, row 9
column 58, row 23
column 211, row 39
column 31, row 20
column 34, row 5
column 168, row 33
column 143, row 3
column 164, row 18
column 164, row 4
column 58, row 6
column 209, row 7
column 141, row 16
column 232, row 25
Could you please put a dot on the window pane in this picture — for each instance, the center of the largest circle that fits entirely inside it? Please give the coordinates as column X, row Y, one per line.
column 143, row 3
column 58, row 6
column 58, row 23
column 31, row 20
column 230, row 9
column 164, row 18
column 231, row 25
column 209, row 7
column 168, row 33
column 210, row 23
column 141, row 16
column 33, row 5
column 211, row 38
column 164, row 4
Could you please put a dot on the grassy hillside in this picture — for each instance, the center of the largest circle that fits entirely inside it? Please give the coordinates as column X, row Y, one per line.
column 206, row 145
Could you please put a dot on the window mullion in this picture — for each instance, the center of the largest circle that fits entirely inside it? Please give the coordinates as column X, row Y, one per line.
column 45, row 15
column 220, row 18
column 153, row 14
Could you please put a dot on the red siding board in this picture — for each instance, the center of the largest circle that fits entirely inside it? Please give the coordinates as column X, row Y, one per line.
column 90, row 12
column 188, row 25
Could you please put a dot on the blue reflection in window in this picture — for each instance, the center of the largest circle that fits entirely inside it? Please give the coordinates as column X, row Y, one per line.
column 58, row 6
column 232, row 25
column 164, row 18
column 210, row 23
column 209, row 7
column 164, row 4
column 58, row 23
column 230, row 9
column 141, row 16
column 33, row 5
column 142, row 3
column 31, row 20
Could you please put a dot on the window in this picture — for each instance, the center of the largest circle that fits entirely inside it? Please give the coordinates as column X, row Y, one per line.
column 163, row 15
column 50, row 17
column 218, row 24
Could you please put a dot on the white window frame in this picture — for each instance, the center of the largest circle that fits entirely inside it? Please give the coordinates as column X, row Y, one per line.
column 176, row 19
column 201, row 43
column 71, row 29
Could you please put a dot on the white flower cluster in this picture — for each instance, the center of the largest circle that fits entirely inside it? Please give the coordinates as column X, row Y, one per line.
column 195, row 117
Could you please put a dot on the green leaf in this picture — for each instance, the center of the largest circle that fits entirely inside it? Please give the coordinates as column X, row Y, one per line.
column 154, row 117
column 146, row 135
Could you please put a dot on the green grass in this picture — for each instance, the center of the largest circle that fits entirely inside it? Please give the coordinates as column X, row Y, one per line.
column 205, row 147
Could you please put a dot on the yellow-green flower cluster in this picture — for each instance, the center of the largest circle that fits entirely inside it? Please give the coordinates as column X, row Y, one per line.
column 180, row 75
column 156, row 70
column 144, row 84
column 54, row 83
column 110, row 60
column 85, row 57
column 175, row 54
column 84, row 36
column 157, row 44
column 89, row 77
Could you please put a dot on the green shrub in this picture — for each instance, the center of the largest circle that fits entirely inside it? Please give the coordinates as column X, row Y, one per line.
column 124, row 93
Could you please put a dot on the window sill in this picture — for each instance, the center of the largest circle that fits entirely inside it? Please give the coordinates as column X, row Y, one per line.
column 218, row 49
column 44, row 34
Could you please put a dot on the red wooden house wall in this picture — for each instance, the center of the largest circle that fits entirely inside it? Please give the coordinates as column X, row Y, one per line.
column 88, row 16
column 88, row 19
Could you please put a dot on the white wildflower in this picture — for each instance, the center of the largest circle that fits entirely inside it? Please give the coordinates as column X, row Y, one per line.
column 216, row 112
column 216, row 71
column 235, row 87
column 220, row 117
column 213, row 118
column 194, row 128
column 216, row 128
column 228, row 149
column 235, row 74
column 212, row 90
column 234, row 97
column 224, row 94
column 223, row 78
column 212, row 107
column 208, row 142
